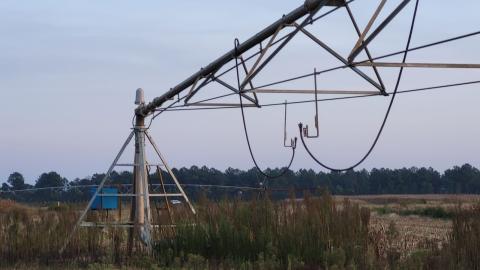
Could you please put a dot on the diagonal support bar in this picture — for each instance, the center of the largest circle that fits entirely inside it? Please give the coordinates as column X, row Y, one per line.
column 220, row 105
column 367, row 28
column 150, row 139
column 99, row 188
column 377, row 31
column 236, row 91
column 245, row 69
column 282, row 45
column 367, row 51
column 343, row 60
column 206, row 81
column 262, row 54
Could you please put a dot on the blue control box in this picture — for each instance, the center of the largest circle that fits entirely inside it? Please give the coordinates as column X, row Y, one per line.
column 105, row 202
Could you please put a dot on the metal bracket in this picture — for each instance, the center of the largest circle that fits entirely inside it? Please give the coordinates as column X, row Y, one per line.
column 293, row 143
column 305, row 129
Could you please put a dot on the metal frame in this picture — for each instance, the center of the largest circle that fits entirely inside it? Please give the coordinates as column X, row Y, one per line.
column 310, row 7
column 142, row 218
column 300, row 19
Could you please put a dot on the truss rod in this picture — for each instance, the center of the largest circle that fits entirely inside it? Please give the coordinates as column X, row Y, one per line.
column 193, row 90
column 245, row 69
column 285, row 36
column 417, row 65
column 248, row 74
column 367, row 51
column 341, row 59
column 422, row 46
column 233, row 105
column 290, row 36
column 369, row 25
column 326, row 92
column 377, row 31
column 228, row 86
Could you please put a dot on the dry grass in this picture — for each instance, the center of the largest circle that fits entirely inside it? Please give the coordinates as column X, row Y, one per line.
column 321, row 232
column 434, row 199
column 413, row 230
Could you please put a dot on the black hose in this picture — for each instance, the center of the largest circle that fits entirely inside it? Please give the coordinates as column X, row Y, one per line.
column 300, row 125
column 294, row 146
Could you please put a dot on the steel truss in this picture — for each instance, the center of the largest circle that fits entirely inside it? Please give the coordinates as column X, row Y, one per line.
column 295, row 22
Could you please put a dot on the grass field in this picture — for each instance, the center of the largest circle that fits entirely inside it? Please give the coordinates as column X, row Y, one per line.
column 322, row 232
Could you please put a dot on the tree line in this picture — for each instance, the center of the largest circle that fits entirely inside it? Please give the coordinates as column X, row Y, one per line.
column 463, row 179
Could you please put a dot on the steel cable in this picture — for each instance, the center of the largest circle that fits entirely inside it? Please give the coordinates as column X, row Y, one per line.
column 73, row 187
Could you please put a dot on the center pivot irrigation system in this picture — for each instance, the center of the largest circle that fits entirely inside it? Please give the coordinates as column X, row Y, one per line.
column 246, row 61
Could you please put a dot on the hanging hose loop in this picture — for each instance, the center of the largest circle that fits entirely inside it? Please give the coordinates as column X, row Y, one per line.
column 294, row 146
column 387, row 113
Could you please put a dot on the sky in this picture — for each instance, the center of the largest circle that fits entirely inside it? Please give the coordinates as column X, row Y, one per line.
column 69, row 71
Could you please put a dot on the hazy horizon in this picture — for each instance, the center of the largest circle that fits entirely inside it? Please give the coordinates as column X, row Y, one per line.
column 32, row 180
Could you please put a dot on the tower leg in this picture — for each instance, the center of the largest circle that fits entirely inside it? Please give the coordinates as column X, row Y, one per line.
column 99, row 188
column 142, row 202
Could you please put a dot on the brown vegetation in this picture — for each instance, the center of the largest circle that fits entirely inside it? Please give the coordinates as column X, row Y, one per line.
column 313, row 233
